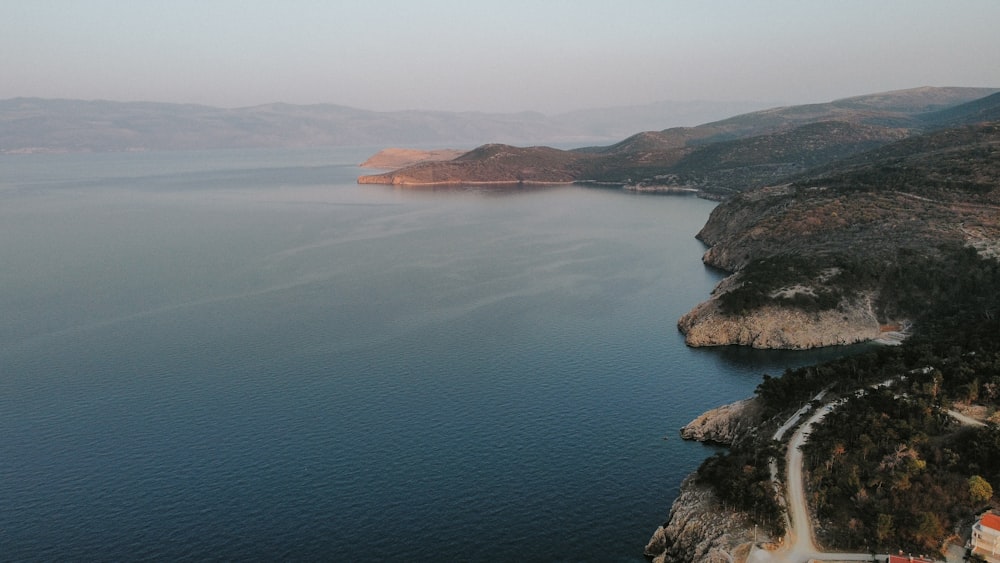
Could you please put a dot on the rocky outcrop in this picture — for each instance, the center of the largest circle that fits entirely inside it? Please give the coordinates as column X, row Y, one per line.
column 727, row 424
column 493, row 164
column 699, row 529
column 393, row 158
column 773, row 326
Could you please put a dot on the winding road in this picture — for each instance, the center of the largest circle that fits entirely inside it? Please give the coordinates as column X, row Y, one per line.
column 800, row 546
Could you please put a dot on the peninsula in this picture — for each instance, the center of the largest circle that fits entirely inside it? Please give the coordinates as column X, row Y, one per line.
column 398, row 158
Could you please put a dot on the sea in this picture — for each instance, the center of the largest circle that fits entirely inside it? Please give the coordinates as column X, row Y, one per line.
column 244, row 355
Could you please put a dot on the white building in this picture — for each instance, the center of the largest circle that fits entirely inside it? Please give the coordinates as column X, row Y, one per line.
column 986, row 537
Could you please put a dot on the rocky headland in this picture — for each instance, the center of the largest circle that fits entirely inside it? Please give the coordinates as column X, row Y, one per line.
column 699, row 527
column 495, row 164
column 393, row 158
column 836, row 256
column 777, row 327
column 725, row 425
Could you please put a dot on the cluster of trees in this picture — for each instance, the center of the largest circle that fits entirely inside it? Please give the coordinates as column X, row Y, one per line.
column 761, row 281
column 887, row 472
column 795, row 387
column 890, row 468
column 741, row 479
column 906, row 283
column 955, row 282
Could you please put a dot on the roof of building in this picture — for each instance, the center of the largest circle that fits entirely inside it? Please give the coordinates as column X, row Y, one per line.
column 990, row 520
column 907, row 559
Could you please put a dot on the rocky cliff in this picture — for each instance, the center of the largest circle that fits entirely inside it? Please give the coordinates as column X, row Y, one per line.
column 725, row 425
column 491, row 164
column 700, row 529
column 780, row 327
column 393, row 158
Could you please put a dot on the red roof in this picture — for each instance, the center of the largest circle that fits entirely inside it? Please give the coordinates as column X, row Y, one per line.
column 904, row 559
column 990, row 520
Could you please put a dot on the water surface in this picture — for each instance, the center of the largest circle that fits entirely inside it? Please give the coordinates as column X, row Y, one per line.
column 245, row 355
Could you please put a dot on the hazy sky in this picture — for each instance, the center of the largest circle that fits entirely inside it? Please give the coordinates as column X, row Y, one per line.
column 501, row 55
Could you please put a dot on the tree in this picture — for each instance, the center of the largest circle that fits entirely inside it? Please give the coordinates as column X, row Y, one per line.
column 929, row 531
column 885, row 529
column 980, row 490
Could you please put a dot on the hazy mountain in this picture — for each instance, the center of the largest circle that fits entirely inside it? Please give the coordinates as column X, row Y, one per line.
column 619, row 122
column 32, row 124
column 721, row 157
column 983, row 109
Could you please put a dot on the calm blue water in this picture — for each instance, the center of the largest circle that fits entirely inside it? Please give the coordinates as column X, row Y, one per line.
column 245, row 355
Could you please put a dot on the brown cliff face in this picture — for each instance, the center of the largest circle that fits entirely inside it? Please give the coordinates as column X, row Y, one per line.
column 491, row 164
column 395, row 158
column 776, row 327
column 725, row 425
column 699, row 529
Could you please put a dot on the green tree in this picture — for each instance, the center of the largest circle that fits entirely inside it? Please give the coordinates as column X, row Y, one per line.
column 930, row 532
column 885, row 529
column 980, row 490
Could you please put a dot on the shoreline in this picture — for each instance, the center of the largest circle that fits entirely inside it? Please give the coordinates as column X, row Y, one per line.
column 371, row 180
column 698, row 528
column 661, row 189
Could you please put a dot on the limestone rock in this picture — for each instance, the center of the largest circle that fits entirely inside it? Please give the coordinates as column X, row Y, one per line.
column 699, row 529
column 725, row 425
column 773, row 326
column 393, row 158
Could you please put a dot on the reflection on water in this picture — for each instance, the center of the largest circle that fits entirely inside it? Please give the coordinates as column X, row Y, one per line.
column 246, row 355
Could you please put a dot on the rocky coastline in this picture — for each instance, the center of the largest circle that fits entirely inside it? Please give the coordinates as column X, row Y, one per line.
column 395, row 158
column 778, row 327
column 725, row 425
column 700, row 528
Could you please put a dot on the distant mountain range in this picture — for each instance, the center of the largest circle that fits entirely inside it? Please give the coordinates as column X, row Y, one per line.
column 722, row 157
column 49, row 125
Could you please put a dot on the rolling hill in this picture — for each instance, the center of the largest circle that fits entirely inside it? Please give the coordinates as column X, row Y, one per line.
column 722, row 157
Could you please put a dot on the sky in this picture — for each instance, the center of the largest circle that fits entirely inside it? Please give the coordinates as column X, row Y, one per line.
column 550, row 56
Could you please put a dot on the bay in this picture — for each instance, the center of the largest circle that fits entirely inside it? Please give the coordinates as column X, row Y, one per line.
column 245, row 355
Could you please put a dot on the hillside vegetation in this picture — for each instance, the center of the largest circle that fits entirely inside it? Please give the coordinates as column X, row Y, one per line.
column 890, row 468
column 859, row 216
column 914, row 227
column 724, row 157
